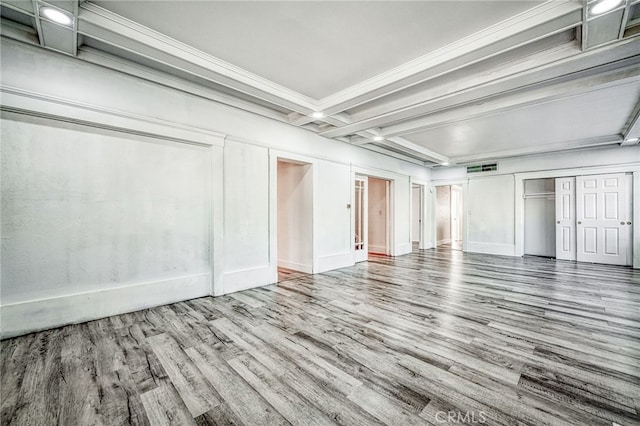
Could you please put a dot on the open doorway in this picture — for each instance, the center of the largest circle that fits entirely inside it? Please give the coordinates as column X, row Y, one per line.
column 417, row 213
column 378, row 216
column 449, row 216
column 539, row 212
column 295, row 219
column 372, row 216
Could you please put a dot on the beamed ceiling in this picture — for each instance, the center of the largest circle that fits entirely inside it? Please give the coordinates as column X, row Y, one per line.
column 431, row 82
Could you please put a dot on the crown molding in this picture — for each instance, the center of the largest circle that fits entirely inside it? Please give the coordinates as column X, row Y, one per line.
column 31, row 103
column 539, row 149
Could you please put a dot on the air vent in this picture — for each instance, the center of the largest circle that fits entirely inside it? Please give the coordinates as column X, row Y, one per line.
column 477, row 168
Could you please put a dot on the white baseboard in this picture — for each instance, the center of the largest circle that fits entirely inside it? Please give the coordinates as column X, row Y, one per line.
column 401, row 249
column 26, row 317
column 295, row 266
column 249, row 278
column 492, row 248
column 447, row 241
column 333, row 261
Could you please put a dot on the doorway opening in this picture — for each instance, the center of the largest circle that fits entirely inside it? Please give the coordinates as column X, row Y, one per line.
column 417, row 216
column 372, row 217
column 539, row 217
column 295, row 219
column 449, row 216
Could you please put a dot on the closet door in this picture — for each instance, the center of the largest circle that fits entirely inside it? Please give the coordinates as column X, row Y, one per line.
column 566, row 218
column 603, row 214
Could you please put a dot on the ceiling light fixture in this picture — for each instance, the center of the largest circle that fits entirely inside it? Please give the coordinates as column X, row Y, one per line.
column 56, row 16
column 604, row 6
column 444, row 164
column 318, row 115
column 378, row 138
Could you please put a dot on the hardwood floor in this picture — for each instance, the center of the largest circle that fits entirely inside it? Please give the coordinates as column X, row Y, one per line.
column 429, row 338
column 285, row 274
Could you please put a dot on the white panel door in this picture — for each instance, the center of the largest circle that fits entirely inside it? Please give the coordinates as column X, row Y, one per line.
column 603, row 213
column 361, row 204
column 566, row 218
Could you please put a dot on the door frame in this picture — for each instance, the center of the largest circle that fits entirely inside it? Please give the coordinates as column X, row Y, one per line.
column 364, row 205
column 459, row 214
column 394, row 247
column 578, row 171
column 465, row 219
column 423, row 240
column 274, row 157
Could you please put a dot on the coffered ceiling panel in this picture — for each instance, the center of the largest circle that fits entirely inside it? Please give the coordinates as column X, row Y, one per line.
column 317, row 48
column 549, row 125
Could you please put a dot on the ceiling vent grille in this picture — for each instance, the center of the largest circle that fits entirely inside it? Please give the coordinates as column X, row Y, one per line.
column 477, row 168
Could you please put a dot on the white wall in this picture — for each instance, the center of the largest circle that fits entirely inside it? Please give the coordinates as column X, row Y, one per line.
column 238, row 240
column 332, row 218
column 295, row 216
column 377, row 232
column 247, row 260
column 443, row 214
column 491, row 215
column 85, row 213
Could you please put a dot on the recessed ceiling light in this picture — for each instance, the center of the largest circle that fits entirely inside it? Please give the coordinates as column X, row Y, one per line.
column 604, row 6
column 318, row 114
column 444, row 164
column 378, row 138
column 56, row 16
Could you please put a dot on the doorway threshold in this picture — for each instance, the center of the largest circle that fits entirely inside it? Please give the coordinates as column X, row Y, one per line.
column 285, row 274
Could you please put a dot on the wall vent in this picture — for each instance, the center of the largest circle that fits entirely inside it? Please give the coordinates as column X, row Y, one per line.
column 477, row 168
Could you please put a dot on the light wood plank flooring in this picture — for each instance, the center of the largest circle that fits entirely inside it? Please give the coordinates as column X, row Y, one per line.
column 433, row 337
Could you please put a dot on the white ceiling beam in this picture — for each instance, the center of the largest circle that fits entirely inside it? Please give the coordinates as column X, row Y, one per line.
column 36, row 17
column 298, row 119
column 564, row 90
column 425, row 153
column 539, row 22
column 107, row 60
column 518, row 64
column 19, row 32
column 393, row 154
column 538, row 149
column 631, row 130
column 110, row 28
column 559, row 63
column 403, row 145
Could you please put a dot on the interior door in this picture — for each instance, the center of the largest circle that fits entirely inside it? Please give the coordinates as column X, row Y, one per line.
column 603, row 213
column 361, row 204
column 566, row 218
